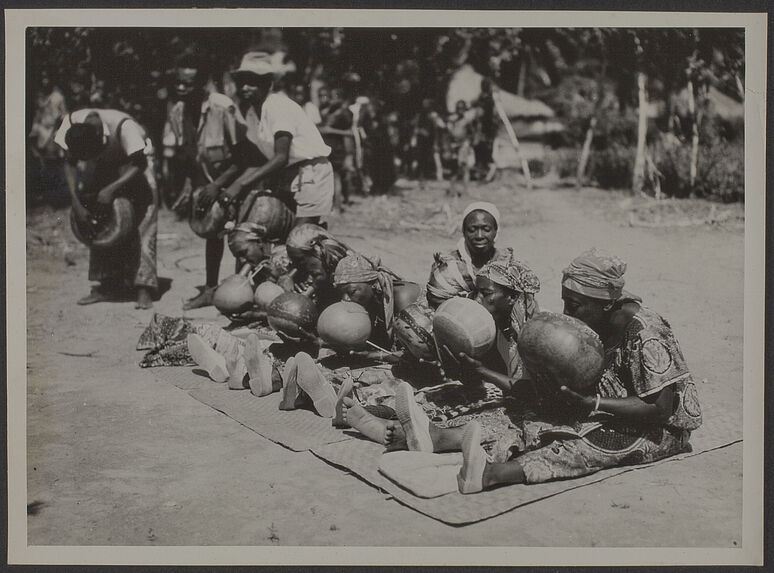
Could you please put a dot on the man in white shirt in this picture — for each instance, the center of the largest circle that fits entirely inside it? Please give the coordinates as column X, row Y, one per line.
column 297, row 156
column 109, row 156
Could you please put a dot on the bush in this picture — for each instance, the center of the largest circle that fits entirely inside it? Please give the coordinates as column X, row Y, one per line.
column 719, row 170
column 612, row 168
column 538, row 166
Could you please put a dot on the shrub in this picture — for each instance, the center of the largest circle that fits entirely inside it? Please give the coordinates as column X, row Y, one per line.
column 719, row 170
column 538, row 166
column 612, row 168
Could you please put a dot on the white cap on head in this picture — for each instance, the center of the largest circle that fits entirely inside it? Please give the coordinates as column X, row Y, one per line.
column 483, row 206
column 257, row 63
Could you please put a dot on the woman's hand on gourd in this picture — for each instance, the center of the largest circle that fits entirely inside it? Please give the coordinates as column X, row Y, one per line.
column 468, row 361
column 572, row 398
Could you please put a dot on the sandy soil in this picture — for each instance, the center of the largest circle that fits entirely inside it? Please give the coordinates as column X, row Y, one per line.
column 116, row 457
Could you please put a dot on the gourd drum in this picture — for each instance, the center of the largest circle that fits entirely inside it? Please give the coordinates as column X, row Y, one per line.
column 414, row 330
column 463, row 325
column 234, row 295
column 208, row 223
column 113, row 228
column 562, row 349
column 265, row 293
column 272, row 215
column 344, row 325
column 289, row 311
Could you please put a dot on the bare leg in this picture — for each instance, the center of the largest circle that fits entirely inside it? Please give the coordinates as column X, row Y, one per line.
column 477, row 473
column 144, row 299
column 213, row 254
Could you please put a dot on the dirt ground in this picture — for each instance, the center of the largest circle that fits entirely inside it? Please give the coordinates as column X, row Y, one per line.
column 116, row 457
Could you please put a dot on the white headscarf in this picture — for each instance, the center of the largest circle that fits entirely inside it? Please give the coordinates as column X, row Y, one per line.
column 485, row 206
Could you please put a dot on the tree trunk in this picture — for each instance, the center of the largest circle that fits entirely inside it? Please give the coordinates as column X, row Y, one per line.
column 523, row 72
column 642, row 127
column 585, row 152
column 694, row 133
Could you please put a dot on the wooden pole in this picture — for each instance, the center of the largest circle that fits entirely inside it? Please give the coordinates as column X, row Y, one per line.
column 585, row 152
column 512, row 136
column 642, row 127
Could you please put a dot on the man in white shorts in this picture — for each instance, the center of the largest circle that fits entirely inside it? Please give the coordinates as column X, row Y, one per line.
column 297, row 168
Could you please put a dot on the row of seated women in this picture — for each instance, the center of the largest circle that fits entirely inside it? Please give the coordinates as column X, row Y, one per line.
column 642, row 409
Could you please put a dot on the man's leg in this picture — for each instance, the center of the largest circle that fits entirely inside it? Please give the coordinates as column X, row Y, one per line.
column 213, row 254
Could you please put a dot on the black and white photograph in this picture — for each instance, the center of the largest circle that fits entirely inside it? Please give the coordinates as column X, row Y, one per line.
column 343, row 287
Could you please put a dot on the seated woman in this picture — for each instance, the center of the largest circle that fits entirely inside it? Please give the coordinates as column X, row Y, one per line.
column 644, row 409
column 377, row 289
column 506, row 287
column 382, row 293
column 454, row 274
column 313, row 253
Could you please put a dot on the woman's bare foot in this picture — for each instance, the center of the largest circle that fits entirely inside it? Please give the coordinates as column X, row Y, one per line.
column 144, row 298
column 471, row 475
column 364, row 422
column 344, row 391
column 206, row 357
column 413, row 419
column 290, row 390
column 259, row 367
column 315, row 385
column 395, row 437
column 204, row 298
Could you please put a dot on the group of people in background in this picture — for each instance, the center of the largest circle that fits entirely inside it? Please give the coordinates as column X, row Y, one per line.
column 297, row 148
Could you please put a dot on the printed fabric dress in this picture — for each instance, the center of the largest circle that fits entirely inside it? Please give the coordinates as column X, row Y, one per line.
column 647, row 360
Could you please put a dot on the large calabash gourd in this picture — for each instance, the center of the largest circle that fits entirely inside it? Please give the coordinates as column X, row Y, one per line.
column 562, row 350
column 234, row 295
column 289, row 311
column 344, row 325
column 209, row 222
column 273, row 217
column 463, row 325
column 413, row 328
column 265, row 293
column 113, row 228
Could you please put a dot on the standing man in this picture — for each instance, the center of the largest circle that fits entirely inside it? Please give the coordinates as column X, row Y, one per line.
column 109, row 155
column 297, row 165
column 204, row 141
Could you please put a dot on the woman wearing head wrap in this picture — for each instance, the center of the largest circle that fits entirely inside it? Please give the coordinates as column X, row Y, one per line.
column 454, row 274
column 506, row 287
column 645, row 404
column 377, row 289
column 314, row 253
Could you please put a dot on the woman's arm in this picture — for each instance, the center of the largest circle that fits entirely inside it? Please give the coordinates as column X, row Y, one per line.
column 252, row 175
column 654, row 408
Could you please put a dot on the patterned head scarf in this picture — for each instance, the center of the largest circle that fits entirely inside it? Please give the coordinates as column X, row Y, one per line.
column 513, row 274
column 357, row 268
column 315, row 241
column 596, row 274
column 446, row 279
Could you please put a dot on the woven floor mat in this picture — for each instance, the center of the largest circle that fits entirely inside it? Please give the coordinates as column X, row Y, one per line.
column 298, row 430
column 183, row 377
column 362, row 458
